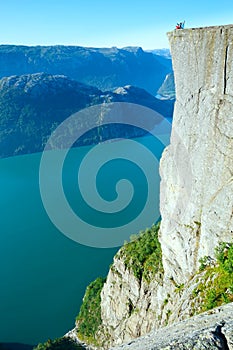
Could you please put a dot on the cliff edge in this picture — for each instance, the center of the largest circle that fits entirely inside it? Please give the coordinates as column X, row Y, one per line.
column 197, row 167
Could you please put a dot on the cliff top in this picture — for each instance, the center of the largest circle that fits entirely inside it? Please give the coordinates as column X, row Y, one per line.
column 208, row 28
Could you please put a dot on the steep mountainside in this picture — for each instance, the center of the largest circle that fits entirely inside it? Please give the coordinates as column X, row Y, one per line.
column 143, row 290
column 33, row 105
column 105, row 68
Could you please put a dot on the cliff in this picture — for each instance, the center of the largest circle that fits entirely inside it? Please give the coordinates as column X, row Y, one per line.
column 196, row 201
column 197, row 168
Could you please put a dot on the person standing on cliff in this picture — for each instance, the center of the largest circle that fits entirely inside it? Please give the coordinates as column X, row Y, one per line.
column 180, row 25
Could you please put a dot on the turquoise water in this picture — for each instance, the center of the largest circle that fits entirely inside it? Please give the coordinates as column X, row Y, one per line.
column 43, row 273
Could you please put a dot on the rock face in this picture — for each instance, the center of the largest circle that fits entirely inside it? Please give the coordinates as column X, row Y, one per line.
column 212, row 330
column 196, row 207
column 197, row 167
column 129, row 307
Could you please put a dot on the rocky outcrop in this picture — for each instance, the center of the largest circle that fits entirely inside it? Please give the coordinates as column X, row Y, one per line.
column 197, row 168
column 129, row 307
column 211, row 330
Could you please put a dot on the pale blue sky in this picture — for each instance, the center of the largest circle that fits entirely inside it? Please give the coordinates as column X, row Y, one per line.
column 103, row 23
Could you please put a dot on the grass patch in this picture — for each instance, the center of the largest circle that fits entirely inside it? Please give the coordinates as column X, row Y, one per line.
column 89, row 318
column 216, row 288
column 143, row 254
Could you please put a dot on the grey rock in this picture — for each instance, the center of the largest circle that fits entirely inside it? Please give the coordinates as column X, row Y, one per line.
column 210, row 330
column 197, row 167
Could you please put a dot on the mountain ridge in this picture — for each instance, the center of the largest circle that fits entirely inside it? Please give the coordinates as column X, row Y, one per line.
column 33, row 105
column 104, row 68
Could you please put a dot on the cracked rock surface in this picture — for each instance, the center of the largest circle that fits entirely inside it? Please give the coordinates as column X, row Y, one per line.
column 197, row 167
column 210, row 330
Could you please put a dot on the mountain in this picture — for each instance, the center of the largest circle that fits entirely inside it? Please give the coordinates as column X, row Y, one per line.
column 104, row 68
column 136, row 95
column 184, row 266
column 33, row 105
column 162, row 52
column 167, row 89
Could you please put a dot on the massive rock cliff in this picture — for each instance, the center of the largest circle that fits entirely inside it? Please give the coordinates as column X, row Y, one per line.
column 197, row 168
column 196, row 196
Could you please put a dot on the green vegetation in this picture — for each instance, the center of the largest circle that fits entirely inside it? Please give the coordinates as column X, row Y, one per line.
column 143, row 254
column 168, row 314
column 89, row 318
column 179, row 288
column 59, row 344
column 204, row 262
column 216, row 287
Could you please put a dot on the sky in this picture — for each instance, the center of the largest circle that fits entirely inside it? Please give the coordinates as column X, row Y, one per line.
column 105, row 23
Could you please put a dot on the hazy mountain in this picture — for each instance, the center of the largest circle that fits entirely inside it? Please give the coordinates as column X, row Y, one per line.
column 162, row 52
column 133, row 94
column 167, row 89
column 105, row 68
column 33, row 105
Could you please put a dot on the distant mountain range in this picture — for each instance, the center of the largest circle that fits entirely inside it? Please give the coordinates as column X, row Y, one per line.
column 161, row 52
column 104, row 68
column 33, row 105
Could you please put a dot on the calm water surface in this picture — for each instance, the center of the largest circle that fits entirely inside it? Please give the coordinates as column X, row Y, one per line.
column 44, row 274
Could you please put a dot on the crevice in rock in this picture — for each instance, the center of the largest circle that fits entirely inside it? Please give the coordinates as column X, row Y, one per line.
column 221, row 336
column 225, row 71
column 130, row 307
column 197, row 247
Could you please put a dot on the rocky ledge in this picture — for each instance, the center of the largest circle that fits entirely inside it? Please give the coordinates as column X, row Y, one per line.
column 210, row 330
